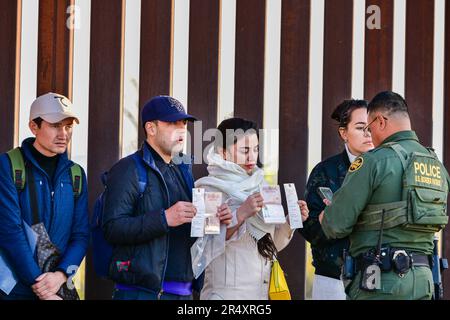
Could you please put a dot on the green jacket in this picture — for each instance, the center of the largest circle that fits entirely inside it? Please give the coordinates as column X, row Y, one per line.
column 374, row 178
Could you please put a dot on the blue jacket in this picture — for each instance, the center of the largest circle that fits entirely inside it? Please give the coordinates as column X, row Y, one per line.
column 137, row 228
column 327, row 254
column 65, row 218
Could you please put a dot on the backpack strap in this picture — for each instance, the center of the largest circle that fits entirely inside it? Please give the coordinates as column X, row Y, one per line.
column 447, row 177
column 401, row 153
column 18, row 168
column 20, row 176
column 33, row 194
column 432, row 151
column 77, row 181
column 142, row 172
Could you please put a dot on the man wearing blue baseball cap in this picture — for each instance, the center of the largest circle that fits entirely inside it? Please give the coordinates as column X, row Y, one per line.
column 150, row 229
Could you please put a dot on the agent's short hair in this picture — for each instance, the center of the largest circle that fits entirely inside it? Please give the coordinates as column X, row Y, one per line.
column 390, row 102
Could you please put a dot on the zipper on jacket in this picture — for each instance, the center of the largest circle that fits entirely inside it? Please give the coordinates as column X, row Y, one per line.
column 52, row 205
column 160, row 294
column 155, row 169
column 50, row 183
column 161, row 291
column 51, row 186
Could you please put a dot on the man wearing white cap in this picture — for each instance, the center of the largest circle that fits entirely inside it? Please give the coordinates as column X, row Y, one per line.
column 39, row 184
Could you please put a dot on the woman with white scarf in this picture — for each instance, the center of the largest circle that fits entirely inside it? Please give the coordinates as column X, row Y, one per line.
column 237, row 263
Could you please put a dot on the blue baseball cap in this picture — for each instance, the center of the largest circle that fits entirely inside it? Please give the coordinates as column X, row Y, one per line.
column 164, row 108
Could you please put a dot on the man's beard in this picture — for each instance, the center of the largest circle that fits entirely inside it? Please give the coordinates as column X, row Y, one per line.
column 176, row 149
column 173, row 150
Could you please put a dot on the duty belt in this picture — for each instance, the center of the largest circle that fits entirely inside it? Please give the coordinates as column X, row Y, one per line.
column 387, row 260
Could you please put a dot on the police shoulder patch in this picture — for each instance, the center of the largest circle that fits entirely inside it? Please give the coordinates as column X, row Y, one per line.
column 356, row 165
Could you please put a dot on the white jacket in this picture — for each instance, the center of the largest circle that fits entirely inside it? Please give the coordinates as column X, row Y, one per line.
column 241, row 273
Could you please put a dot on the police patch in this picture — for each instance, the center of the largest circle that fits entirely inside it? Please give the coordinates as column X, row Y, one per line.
column 356, row 165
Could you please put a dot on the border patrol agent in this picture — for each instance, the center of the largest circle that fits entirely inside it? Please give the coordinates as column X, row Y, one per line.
column 391, row 203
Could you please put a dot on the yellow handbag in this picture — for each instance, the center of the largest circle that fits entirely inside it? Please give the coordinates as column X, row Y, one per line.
column 278, row 289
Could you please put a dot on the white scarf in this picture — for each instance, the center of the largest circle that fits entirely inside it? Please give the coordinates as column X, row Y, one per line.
column 237, row 184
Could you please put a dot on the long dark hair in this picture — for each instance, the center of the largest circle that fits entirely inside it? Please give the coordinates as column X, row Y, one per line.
column 266, row 246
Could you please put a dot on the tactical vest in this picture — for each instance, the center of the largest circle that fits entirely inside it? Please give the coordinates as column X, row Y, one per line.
column 424, row 198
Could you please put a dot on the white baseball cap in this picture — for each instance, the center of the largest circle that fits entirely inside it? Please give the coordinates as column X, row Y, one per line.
column 52, row 107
